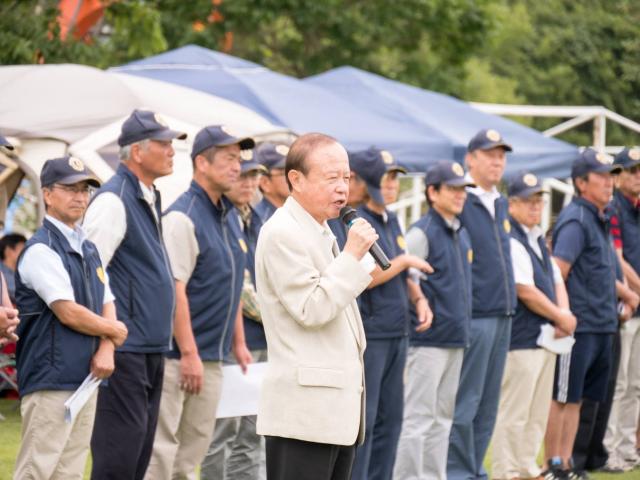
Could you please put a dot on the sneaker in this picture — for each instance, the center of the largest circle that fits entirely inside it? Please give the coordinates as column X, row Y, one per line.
column 574, row 474
column 554, row 470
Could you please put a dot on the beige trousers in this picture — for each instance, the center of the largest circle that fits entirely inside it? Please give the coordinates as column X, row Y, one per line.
column 51, row 448
column 525, row 398
column 185, row 424
column 620, row 440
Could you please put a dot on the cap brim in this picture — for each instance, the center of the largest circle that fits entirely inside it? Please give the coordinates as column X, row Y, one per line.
column 459, row 182
column 528, row 192
column 246, row 143
column 81, row 177
column 489, row 146
column 613, row 169
column 629, row 164
column 168, row 135
column 254, row 168
column 396, row 168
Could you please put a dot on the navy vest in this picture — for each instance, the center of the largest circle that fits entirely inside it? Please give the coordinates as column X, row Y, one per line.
column 253, row 331
column 591, row 284
column 215, row 285
column 526, row 324
column 139, row 272
column 448, row 288
column 385, row 308
column 50, row 355
column 494, row 293
column 339, row 229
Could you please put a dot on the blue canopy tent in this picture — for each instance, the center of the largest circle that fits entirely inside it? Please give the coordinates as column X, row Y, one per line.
column 454, row 119
column 287, row 101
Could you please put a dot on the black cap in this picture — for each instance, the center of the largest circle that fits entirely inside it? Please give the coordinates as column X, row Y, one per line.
column 523, row 185
column 445, row 172
column 371, row 165
column 271, row 155
column 66, row 170
column 5, row 143
column 218, row 136
column 629, row 157
column 143, row 125
column 591, row 161
column 486, row 139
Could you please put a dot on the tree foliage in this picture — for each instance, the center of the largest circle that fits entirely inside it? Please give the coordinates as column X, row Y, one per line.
column 571, row 52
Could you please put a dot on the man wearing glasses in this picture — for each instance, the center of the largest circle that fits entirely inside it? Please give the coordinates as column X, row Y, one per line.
column 68, row 329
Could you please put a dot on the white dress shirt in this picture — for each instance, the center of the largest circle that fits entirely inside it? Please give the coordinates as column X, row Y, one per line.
column 41, row 268
column 522, row 266
column 108, row 210
column 487, row 197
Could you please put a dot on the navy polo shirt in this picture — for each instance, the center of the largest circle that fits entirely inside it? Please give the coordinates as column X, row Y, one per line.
column 448, row 288
column 265, row 209
column 385, row 308
column 581, row 238
column 629, row 226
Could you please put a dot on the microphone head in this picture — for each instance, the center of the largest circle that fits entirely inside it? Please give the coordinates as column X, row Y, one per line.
column 347, row 214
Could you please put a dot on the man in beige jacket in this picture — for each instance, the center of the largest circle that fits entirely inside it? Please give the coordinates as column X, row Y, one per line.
column 312, row 402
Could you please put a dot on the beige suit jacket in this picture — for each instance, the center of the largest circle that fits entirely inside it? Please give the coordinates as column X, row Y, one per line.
column 314, row 386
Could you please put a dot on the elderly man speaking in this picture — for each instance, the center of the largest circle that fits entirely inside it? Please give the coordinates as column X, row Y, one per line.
column 312, row 402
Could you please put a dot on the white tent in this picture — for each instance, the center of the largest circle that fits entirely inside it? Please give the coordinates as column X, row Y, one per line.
column 51, row 110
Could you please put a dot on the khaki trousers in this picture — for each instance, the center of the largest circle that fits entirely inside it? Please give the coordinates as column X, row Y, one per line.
column 525, row 398
column 620, row 440
column 52, row 448
column 185, row 424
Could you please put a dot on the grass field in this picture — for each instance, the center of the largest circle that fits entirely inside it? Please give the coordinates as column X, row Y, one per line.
column 10, row 441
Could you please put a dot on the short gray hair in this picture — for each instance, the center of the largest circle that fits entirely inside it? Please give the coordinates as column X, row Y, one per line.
column 125, row 151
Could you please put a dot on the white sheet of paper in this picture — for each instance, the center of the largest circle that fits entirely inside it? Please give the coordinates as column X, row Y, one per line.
column 240, row 392
column 547, row 339
column 79, row 398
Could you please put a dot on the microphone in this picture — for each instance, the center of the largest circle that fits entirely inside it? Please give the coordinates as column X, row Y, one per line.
column 348, row 215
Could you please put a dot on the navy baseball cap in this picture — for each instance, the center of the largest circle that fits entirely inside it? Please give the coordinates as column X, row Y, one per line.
column 250, row 164
column 523, row 185
column 66, row 170
column 486, row 139
column 371, row 165
column 445, row 172
column 591, row 161
column 271, row 155
column 219, row 136
column 628, row 157
column 5, row 143
column 146, row 125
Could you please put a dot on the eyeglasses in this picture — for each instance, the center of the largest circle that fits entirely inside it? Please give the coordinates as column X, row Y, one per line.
column 84, row 189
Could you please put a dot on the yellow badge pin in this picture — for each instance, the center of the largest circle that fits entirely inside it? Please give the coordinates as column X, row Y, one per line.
column 493, row 135
column 402, row 243
column 507, row 225
column 282, row 150
column 387, row 158
column 457, row 169
column 76, row 164
column 100, row 273
column 243, row 245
